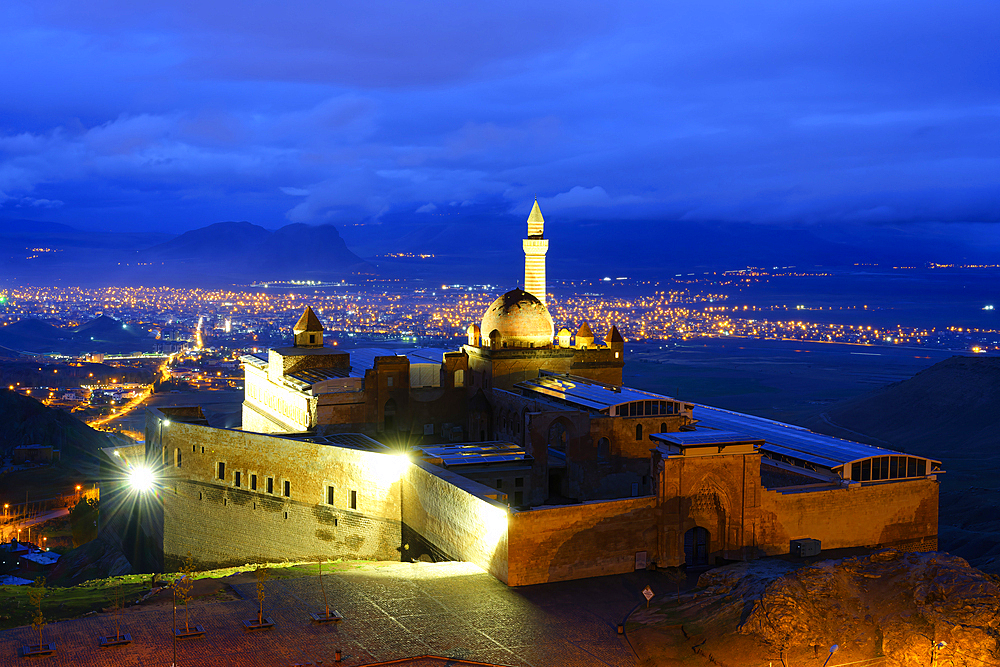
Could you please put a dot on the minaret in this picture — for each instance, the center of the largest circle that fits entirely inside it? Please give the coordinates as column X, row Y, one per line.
column 535, row 247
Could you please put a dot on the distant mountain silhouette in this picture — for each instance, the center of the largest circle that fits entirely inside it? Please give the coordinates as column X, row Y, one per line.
column 219, row 254
column 223, row 240
column 241, row 251
column 107, row 329
column 949, row 412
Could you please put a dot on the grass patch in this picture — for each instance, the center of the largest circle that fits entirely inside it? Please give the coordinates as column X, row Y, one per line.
column 97, row 594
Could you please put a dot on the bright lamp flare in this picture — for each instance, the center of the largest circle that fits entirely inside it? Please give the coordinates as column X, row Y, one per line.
column 141, row 479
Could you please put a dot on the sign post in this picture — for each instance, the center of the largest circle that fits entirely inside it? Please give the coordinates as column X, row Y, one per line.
column 648, row 594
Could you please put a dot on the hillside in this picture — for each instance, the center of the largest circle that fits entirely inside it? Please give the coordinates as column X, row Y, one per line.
column 102, row 334
column 25, row 421
column 951, row 412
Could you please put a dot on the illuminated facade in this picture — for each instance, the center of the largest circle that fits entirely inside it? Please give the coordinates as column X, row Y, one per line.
column 527, row 456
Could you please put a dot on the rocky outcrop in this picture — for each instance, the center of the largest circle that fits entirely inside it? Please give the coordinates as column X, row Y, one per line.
column 890, row 603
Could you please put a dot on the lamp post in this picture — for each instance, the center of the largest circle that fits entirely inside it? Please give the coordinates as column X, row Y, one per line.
column 833, row 649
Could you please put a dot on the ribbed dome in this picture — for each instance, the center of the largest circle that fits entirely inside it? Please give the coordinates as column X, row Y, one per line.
column 519, row 319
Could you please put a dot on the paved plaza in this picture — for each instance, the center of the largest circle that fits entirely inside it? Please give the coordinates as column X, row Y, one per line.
column 391, row 611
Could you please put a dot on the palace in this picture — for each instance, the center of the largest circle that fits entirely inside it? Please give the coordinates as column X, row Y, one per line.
column 521, row 452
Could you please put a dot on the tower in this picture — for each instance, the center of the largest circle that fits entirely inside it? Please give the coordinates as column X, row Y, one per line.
column 535, row 247
column 308, row 330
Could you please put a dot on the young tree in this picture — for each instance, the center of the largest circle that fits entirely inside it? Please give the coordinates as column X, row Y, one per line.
column 183, row 585
column 322, row 586
column 36, row 594
column 677, row 577
column 262, row 574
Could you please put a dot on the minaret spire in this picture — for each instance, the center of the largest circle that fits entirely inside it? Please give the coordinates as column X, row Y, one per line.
column 535, row 247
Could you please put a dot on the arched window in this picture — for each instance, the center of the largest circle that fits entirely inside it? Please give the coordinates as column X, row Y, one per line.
column 663, row 427
column 558, row 436
column 603, row 447
column 638, row 431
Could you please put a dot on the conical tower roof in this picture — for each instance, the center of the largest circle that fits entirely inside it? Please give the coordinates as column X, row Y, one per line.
column 614, row 336
column 584, row 331
column 536, row 214
column 308, row 322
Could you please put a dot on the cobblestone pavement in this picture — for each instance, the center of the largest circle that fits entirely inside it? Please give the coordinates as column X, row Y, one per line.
column 390, row 611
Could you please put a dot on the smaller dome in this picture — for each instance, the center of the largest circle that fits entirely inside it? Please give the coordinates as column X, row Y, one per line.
column 518, row 319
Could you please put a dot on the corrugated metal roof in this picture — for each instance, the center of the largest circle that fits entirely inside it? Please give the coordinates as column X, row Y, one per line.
column 787, row 440
column 476, row 453
column 704, row 437
column 585, row 393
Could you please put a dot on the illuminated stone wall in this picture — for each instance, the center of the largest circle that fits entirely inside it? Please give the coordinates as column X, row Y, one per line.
column 901, row 514
column 458, row 516
column 270, row 407
column 576, row 541
column 223, row 524
column 534, row 267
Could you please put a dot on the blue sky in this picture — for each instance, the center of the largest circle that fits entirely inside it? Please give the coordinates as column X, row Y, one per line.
column 174, row 115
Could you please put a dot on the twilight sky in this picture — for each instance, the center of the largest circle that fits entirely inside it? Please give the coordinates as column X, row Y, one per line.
column 174, row 115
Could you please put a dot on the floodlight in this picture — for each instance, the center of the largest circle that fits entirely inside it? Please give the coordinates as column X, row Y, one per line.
column 141, row 479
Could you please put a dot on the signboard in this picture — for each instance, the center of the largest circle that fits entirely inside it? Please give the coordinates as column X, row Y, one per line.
column 647, row 592
column 640, row 560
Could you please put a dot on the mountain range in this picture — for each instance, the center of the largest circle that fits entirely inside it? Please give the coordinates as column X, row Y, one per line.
column 220, row 254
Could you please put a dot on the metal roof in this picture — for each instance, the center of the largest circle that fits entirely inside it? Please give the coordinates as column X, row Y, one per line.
column 311, row 376
column 476, row 453
column 794, row 442
column 705, row 437
column 585, row 393
column 351, row 440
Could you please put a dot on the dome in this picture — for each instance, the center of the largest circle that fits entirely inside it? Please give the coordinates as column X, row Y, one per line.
column 519, row 320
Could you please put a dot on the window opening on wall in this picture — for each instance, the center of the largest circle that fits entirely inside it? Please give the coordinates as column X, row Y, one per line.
column 286, row 515
column 389, row 381
column 199, row 495
column 460, row 378
column 202, row 450
column 638, row 431
column 194, row 449
column 518, row 498
column 288, row 489
column 236, row 478
column 177, row 457
column 329, row 495
column 270, row 485
column 312, row 339
column 663, row 427
column 354, row 500
column 222, row 470
column 518, row 481
column 603, row 448
column 253, row 482
column 499, row 483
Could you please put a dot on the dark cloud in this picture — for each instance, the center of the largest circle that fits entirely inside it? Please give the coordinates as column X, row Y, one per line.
column 184, row 113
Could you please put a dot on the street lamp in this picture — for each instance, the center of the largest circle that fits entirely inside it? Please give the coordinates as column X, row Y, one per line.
column 833, row 649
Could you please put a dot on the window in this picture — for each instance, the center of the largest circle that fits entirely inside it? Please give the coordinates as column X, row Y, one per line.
column 253, row 482
column 354, row 500
column 663, row 427
column 222, row 470
column 329, row 495
column 194, row 449
column 288, row 489
column 177, row 457
column 638, row 431
column 270, row 485
column 460, row 378
column 236, row 478
column 603, row 448
column 312, row 339
column 202, row 450
column 518, row 498
column 519, row 481
column 499, row 483
column 388, row 381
